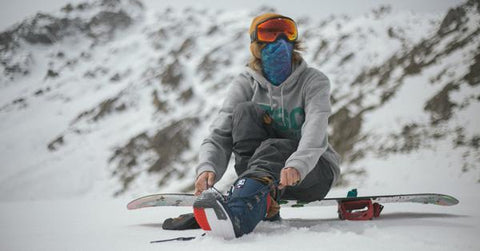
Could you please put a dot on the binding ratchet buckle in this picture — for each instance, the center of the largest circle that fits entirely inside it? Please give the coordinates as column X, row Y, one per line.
column 358, row 209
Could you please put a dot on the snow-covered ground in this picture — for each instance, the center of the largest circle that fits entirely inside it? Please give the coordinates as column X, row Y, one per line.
column 108, row 225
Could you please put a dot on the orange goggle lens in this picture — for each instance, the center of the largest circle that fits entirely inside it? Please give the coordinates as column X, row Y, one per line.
column 269, row 30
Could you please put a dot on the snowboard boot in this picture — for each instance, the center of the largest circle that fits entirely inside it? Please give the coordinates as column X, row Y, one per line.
column 235, row 214
column 182, row 222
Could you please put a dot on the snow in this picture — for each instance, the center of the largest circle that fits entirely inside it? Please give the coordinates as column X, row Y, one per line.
column 62, row 200
column 108, row 225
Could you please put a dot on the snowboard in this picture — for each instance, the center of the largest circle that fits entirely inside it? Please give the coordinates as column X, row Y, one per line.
column 185, row 199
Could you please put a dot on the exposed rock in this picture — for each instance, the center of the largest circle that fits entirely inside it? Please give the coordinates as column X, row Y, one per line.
column 346, row 130
column 343, row 182
column 440, row 105
column 107, row 107
column 105, row 23
column 473, row 76
column 41, row 29
column 452, row 21
column 210, row 64
column 51, row 74
column 20, row 103
column 475, row 142
column 38, row 92
column 168, row 144
column 346, row 58
column 214, row 29
column 411, row 137
column 160, row 105
column 382, row 11
column 186, row 95
column 97, row 71
column 56, row 143
column 103, row 109
column 159, row 37
column 172, row 76
column 127, row 160
column 17, row 65
column 67, row 8
column 47, row 29
column 171, row 141
column 115, row 78
column 186, row 46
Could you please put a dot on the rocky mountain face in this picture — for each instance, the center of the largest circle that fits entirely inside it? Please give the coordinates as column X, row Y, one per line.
column 109, row 96
column 441, row 63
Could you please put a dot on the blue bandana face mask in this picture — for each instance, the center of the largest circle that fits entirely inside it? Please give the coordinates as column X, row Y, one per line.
column 277, row 61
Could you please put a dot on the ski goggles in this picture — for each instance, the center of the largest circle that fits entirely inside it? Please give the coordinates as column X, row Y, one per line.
column 269, row 30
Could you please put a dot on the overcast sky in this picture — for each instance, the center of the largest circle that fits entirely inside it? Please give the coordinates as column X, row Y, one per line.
column 12, row 11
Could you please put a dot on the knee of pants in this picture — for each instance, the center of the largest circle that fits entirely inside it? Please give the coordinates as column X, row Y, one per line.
column 272, row 153
column 287, row 145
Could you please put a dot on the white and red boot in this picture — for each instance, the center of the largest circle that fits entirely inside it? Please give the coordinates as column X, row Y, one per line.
column 237, row 213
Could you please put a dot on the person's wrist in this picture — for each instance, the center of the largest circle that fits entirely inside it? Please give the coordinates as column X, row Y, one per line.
column 205, row 167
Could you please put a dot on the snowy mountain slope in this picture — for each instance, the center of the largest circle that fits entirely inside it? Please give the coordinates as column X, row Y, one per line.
column 113, row 98
column 110, row 98
column 401, row 105
column 423, row 103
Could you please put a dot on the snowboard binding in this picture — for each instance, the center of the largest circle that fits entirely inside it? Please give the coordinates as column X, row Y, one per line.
column 358, row 209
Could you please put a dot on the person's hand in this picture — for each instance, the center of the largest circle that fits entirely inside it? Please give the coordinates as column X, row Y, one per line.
column 204, row 181
column 289, row 176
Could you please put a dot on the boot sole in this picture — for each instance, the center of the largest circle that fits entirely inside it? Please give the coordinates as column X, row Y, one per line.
column 212, row 216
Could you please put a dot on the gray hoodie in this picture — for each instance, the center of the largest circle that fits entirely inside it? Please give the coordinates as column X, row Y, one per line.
column 301, row 104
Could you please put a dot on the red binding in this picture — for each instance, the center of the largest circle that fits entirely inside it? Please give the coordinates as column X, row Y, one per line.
column 358, row 209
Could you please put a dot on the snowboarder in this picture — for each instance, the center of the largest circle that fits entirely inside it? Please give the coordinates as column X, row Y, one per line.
column 274, row 119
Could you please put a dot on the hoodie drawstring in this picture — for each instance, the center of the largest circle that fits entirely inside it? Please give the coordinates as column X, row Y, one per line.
column 270, row 96
column 282, row 105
